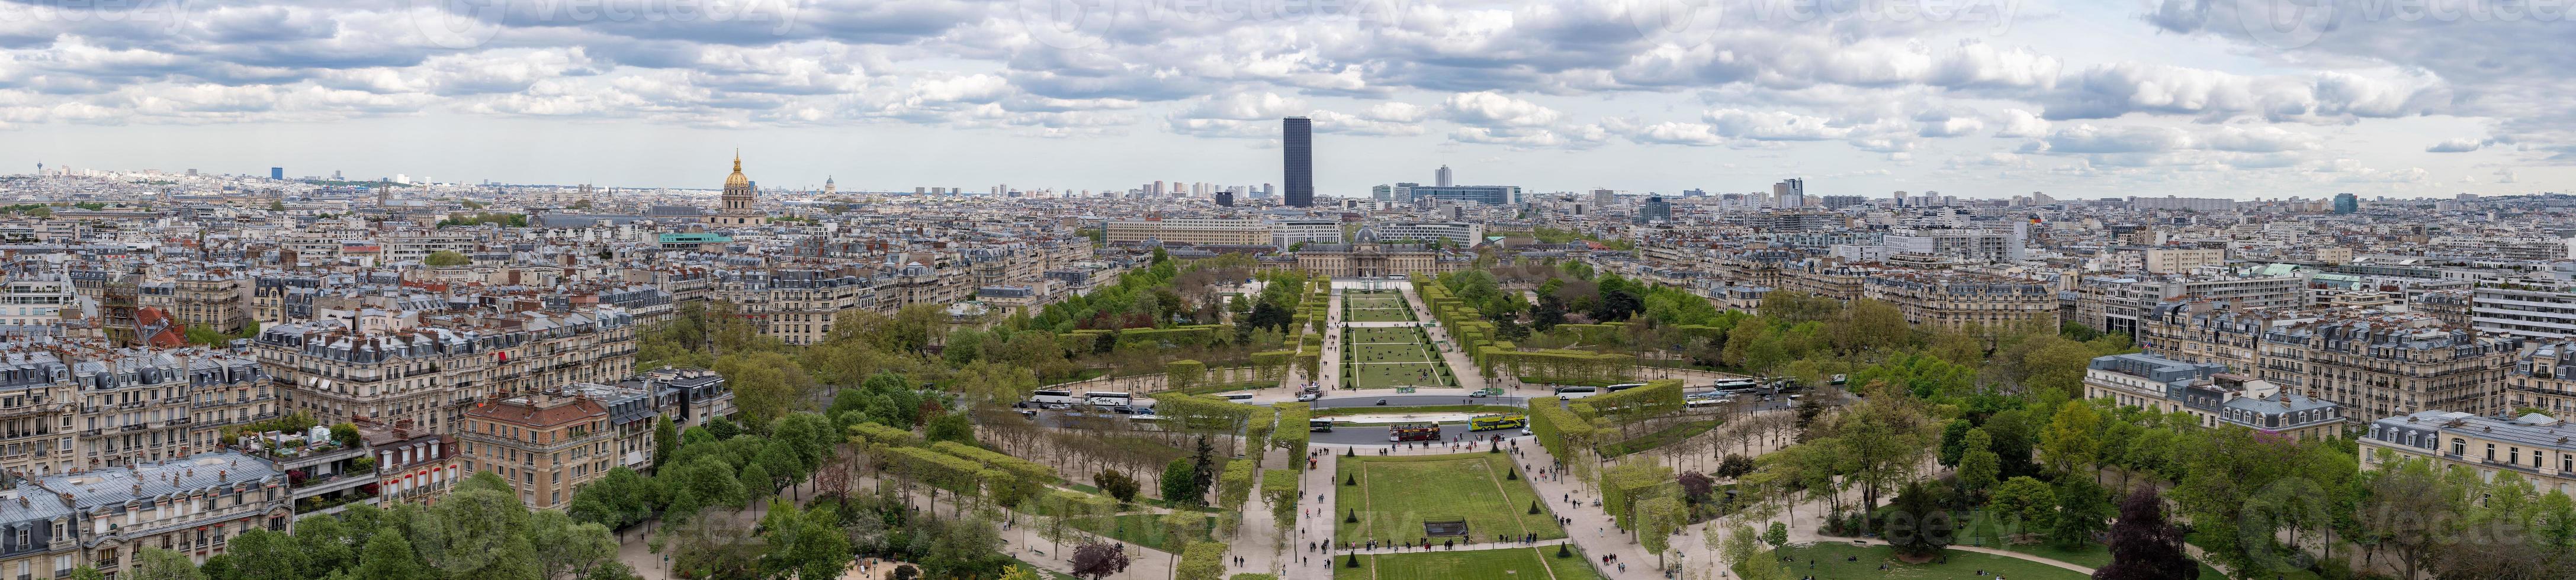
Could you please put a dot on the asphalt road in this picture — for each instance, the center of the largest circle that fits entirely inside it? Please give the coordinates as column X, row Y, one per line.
column 1347, row 401
column 1376, row 435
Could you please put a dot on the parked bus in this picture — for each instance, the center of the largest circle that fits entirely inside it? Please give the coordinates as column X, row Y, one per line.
column 1106, row 399
column 1489, row 422
column 1414, row 432
column 1621, row 387
column 1735, row 384
column 1053, row 397
column 1245, row 398
column 1319, row 425
column 1707, row 402
column 1576, row 392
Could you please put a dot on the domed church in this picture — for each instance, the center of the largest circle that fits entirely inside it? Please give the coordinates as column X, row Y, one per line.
column 737, row 210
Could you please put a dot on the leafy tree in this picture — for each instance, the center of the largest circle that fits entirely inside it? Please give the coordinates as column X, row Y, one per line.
column 1180, row 482
column 722, row 429
column 86, row 572
column 1741, row 548
column 951, row 427
column 700, row 483
column 267, row 555
column 2072, row 440
column 160, row 564
column 2144, row 546
column 764, row 383
column 2081, row 508
column 1978, row 465
column 1117, row 484
column 1696, row 486
column 1735, row 466
column 1203, row 467
column 447, row 258
column 473, row 532
column 571, row 549
column 2056, row 366
column 2025, row 500
column 804, row 543
column 1098, row 560
column 666, row 439
column 327, row 545
column 1953, row 441
column 1916, row 525
column 1657, row 519
column 1549, row 312
column 388, row 556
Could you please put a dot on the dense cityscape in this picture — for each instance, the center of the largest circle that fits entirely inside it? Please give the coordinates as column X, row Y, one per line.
column 283, row 375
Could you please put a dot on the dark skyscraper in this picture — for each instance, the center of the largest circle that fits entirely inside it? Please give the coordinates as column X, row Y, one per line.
column 1225, row 199
column 1296, row 135
column 277, row 173
column 2347, row 203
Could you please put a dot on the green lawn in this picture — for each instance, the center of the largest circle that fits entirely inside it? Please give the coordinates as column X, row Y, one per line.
column 1377, row 358
column 1375, row 307
column 1048, row 575
column 1396, row 494
column 1978, row 530
column 1538, row 563
column 1140, row 529
column 1830, row 564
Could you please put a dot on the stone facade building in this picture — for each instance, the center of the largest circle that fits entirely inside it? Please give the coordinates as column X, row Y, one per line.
column 2211, row 395
column 1959, row 301
column 545, row 444
column 2383, row 365
column 387, row 368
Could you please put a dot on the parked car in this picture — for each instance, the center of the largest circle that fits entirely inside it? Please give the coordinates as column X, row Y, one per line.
column 1030, row 414
column 1306, row 396
column 1058, row 406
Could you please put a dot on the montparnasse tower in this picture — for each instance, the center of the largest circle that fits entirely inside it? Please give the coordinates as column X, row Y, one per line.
column 737, row 210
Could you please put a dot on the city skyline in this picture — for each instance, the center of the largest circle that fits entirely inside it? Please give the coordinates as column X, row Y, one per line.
column 1994, row 100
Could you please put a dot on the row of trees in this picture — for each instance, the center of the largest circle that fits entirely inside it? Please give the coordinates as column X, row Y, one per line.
column 479, row 531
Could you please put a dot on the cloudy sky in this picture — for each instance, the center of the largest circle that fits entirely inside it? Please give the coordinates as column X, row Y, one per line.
column 1984, row 98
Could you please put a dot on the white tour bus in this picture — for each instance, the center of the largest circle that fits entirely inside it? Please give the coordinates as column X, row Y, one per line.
column 1245, row 398
column 1735, row 384
column 1622, row 387
column 1043, row 396
column 1106, row 399
column 1576, row 392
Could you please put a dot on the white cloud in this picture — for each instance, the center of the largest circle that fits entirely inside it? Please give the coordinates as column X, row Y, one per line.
column 1487, row 109
column 2457, row 145
column 2020, row 123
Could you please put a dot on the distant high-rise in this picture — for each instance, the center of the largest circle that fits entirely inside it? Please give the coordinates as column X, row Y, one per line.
column 2347, row 203
column 1791, row 192
column 1654, row 209
column 1443, row 177
column 1225, row 199
column 277, row 173
column 1603, row 198
column 1297, row 140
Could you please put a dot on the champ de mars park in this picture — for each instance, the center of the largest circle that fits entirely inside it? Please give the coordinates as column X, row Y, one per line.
column 1531, row 421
